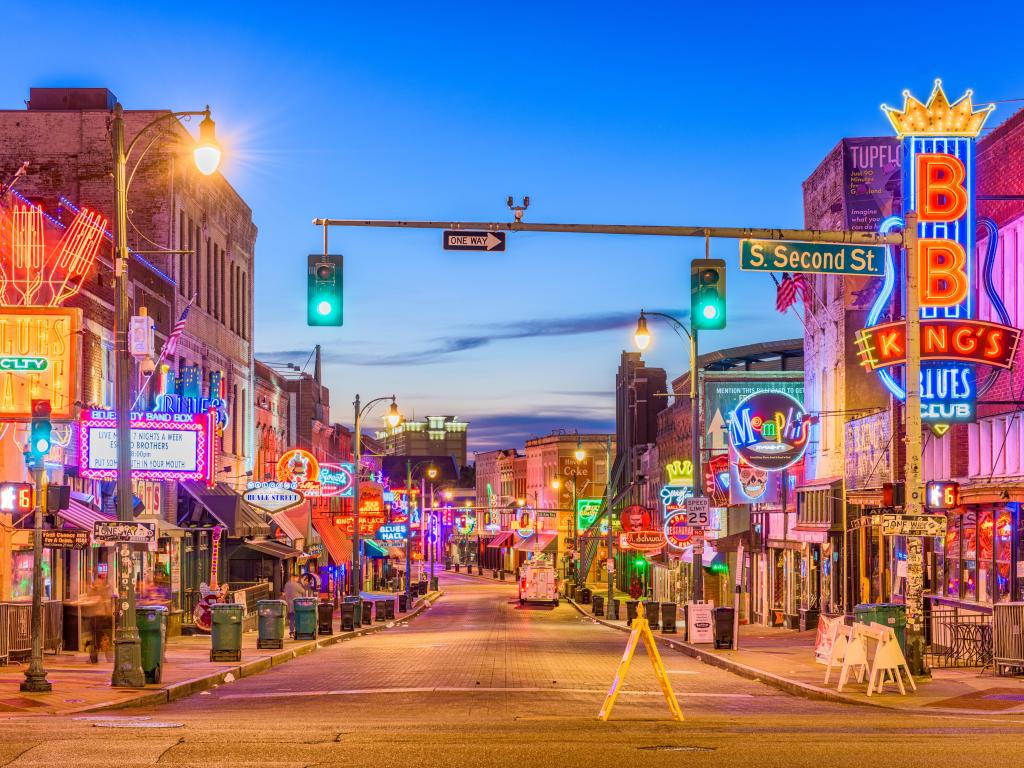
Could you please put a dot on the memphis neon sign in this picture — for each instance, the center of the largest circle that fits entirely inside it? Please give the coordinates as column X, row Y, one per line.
column 938, row 183
column 767, row 430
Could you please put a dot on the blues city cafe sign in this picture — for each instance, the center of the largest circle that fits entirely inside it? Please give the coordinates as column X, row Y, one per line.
column 767, row 430
column 956, row 343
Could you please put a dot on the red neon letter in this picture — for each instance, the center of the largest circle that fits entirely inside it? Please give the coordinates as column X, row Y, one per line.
column 943, row 274
column 941, row 194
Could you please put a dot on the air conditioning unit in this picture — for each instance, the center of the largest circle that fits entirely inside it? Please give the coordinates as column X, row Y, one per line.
column 1007, row 636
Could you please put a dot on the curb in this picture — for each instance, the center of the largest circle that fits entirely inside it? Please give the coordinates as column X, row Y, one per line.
column 785, row 684
column 185, row 688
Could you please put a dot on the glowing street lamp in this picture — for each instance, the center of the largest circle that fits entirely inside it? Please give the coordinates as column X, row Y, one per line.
column 642, row 337
column 207, row 152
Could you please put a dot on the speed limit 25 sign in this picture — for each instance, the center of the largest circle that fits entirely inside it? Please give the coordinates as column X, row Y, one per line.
column 697, row 510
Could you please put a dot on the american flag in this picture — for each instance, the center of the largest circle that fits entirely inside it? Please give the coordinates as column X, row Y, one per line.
column 171, row 345
column 788, row 288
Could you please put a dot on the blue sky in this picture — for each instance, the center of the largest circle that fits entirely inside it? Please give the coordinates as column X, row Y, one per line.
column 711, row 116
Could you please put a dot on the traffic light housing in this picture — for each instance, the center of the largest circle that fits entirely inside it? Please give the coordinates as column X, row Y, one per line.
column 325, row 298
column 41, row 433
column 707, row 294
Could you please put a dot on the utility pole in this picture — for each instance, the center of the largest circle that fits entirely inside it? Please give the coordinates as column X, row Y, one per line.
column 355, row 582
column 127, row 649
column 698, row 486
column 913, row 504
column 408, row 532
column 35, row 676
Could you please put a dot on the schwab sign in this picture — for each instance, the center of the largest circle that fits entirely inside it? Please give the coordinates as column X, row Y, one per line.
column 961, row 353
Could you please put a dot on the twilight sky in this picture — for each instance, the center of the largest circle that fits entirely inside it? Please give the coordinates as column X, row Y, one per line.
column 427, row 111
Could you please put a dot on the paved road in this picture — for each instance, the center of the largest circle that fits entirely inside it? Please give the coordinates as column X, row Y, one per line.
column 478, row 681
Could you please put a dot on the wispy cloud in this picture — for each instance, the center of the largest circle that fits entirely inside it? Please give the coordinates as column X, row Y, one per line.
column 507, row 430
column 445, row 347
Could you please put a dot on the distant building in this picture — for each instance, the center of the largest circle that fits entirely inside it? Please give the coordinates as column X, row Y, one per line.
column 432, row 436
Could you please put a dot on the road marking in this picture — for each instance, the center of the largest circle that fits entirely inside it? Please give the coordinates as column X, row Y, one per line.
column 474, row 689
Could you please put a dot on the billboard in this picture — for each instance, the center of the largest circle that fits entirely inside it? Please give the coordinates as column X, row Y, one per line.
column 871, row 181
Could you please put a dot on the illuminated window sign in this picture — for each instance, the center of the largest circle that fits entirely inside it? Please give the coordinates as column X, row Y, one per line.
column 39, row 360
column 337, row 479
column 165, row 446
column 938, row 183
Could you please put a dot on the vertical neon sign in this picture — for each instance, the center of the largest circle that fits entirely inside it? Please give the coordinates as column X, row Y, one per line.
column 938, row 183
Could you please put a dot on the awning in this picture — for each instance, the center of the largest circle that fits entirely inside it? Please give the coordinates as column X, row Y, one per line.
column 732, row 541
column 164, row 529
column 500, row 540
column 286, row 524
column 373, row 549
column 539, row 542
column 222, row 502
column 272, row 548
column 339, row 547
column 78, row 515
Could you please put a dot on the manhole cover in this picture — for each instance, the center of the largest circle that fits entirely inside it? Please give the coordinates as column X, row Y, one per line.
column 136, row 724
column 675, row 748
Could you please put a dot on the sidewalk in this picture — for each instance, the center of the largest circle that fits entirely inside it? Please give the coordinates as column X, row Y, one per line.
column 80, row 687
column 784, row 659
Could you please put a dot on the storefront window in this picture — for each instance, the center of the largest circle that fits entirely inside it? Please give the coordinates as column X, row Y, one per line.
column 984, row 556
column 969, row 555
column 1003, row 532
column 953, row 557
column 21, row 576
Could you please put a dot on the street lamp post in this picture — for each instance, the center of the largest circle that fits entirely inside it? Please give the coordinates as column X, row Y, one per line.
column 409, row 469
column 127, row 654
column 393, row 418
column 642, row 339
column 579, row 455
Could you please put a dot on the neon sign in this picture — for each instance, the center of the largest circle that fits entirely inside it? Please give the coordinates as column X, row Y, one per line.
column 169, row 403
column 938, row 183
column 164, row 446
column 969, row 341
column 644, row 540
column 337, row 480
column 678, row 533
column 300, row 468
column 767, row 430
column 38, row 359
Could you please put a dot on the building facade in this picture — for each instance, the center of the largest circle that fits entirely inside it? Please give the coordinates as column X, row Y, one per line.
column 432, row 436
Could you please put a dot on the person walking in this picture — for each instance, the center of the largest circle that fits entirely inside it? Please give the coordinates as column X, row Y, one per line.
column 99, row 609
column 292, row 590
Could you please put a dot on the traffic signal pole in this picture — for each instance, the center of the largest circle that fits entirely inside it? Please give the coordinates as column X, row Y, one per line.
column 35, row 676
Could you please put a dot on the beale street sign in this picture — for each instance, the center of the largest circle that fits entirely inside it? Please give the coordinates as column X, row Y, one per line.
column 816, row 258
column 273, row 497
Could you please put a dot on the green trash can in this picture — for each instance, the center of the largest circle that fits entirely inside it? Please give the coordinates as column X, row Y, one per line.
column 433, row 583
column 226, row 632
column 892, row 615
column 152, row 623
column 270, row 623
column 305, row 617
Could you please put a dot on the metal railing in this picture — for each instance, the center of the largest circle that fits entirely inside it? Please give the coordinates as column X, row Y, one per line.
column 958, row 637
column 16, row 629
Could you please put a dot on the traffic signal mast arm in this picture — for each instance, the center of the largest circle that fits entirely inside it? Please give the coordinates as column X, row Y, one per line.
column 735, row 233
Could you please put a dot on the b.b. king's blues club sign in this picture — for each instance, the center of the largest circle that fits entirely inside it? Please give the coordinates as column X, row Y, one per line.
column 960, row 353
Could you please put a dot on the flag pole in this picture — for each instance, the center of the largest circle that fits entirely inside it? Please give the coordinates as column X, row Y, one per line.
column 175, row 332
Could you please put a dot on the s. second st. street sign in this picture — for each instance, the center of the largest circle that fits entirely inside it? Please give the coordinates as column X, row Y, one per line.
column 817, row 258
column 465, row 240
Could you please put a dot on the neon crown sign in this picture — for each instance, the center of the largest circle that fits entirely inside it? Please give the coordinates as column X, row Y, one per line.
column 939, row 183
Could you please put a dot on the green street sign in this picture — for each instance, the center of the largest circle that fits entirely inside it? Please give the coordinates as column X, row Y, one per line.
column 818, row 258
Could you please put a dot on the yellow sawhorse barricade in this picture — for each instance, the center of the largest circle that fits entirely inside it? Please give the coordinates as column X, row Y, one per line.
column 641, row 629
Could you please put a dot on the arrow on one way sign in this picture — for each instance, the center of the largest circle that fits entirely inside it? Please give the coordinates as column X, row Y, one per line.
column 458, row 240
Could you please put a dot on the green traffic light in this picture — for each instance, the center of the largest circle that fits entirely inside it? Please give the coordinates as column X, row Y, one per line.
column 324, row 308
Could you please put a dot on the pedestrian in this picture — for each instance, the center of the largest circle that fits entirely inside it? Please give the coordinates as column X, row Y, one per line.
column 292, row 590
column 99, row 609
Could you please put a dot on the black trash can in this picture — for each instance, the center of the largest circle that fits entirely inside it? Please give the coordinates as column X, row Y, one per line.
column 587, row 595
column 433, row 584
column 325, row 618
column 456, row 567
column 631, row 608
column 349, row 614
column 366, row 612
column 403, row 603
column 613, row 609
column 380, row 609
column 668, row 618
column 723, row 627
column 447, row 564
column 389, row 610
column 578, row 594
column 501, row 575
column 598, row 604
column 652, row 611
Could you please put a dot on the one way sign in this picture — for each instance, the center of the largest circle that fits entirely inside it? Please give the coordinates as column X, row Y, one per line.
column 458, row 240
